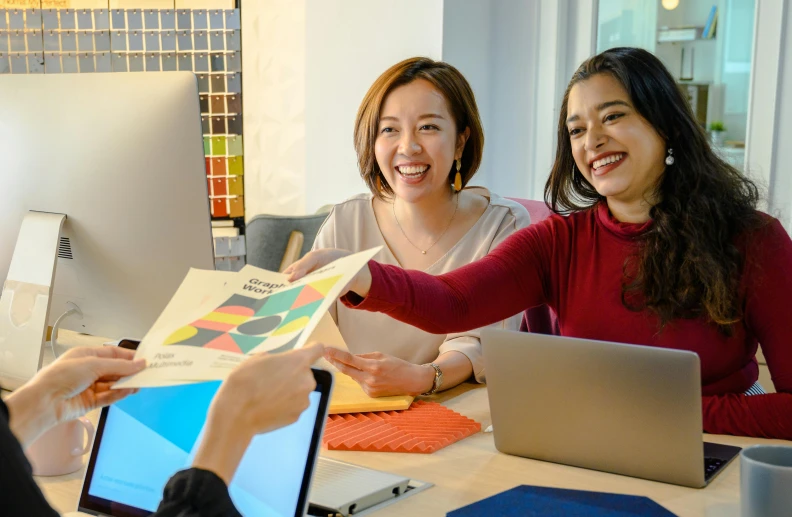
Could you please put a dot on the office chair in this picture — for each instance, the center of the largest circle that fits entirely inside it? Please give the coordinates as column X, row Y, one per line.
column 274, row 242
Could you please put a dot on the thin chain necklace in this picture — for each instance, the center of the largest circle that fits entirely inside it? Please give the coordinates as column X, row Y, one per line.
column 423, row 252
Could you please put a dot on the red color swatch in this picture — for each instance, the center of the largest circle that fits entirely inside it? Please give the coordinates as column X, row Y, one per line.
column 425, row 427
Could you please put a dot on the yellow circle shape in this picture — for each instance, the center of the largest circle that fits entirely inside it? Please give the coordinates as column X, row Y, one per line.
column 183, row 334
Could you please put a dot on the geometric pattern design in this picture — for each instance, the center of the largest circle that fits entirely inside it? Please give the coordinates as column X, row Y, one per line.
column 242, row 323
column 425, row 427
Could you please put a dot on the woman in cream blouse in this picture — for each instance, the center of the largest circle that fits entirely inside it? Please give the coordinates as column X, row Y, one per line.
column 419, row 140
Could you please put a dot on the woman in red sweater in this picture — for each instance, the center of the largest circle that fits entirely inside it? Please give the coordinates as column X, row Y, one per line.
column 661, row 245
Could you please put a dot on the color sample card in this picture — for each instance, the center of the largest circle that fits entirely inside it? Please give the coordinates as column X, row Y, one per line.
column 49, row 19
column 218, row 104
column 52, row 63
column 203, row 83
column 85, row 19
column 134, row 19
column 153, row 63
column 219, row 187
column 236, row 207
column 234, row 145
column 220, row 207
column 120, row 63
column 103, row 62
column 168, row 39
column 151, row 19
column 16, row 41
column 169, row 63
column 234, row 103
column 168, row 19
column 219, row 166
column 235, row 166
column 235, row 186
column 218, row 145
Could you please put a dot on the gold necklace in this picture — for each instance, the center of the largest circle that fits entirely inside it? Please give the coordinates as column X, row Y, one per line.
column 423, row 252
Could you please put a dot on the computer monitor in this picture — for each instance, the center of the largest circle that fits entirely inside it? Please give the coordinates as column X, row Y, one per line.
column 121, row 155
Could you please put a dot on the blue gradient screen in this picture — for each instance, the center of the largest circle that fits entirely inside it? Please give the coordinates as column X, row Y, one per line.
column 153, row 434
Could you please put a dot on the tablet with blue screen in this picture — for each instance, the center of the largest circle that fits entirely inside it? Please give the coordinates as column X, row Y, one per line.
column 144, row 439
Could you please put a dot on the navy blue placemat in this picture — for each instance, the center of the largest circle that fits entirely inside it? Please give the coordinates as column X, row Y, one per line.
column 537, row 501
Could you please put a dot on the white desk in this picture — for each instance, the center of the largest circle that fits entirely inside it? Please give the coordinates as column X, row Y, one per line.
column 472, row 469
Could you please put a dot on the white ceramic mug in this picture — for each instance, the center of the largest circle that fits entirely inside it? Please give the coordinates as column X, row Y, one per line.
column 60, row 450
column 766, row 481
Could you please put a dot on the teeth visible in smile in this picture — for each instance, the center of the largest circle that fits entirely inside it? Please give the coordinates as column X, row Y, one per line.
column 607, row 160
column 412, row 170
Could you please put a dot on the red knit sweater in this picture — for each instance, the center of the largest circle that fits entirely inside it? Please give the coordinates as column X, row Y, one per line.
column 574, row 264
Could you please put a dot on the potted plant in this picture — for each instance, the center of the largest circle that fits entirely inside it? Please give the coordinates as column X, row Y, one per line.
column 717, row 131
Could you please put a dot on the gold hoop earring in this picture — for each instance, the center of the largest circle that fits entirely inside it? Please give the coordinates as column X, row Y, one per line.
column 458, row 177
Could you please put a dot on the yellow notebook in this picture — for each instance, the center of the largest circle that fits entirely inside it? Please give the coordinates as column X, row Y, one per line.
column 348, row 396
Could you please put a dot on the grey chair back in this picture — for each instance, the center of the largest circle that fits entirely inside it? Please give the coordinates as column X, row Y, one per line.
column 268, row 235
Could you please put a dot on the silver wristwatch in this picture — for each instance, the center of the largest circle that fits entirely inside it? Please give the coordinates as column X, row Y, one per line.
column 438, row 380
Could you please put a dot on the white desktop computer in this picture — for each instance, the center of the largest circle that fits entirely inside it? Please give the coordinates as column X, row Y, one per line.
column 104, row 205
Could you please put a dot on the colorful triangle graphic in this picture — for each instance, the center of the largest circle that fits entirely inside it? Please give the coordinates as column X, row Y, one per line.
column 279, row 302
column 307, row 295
column 224, row 342
column 324, row 286
column 247, row 343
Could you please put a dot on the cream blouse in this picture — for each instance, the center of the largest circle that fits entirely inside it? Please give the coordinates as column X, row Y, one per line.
column 352, row 226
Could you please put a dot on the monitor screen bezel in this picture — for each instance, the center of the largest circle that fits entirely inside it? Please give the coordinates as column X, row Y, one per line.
column 99, row 506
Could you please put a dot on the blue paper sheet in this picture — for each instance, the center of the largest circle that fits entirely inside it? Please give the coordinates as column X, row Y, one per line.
column 535, row 501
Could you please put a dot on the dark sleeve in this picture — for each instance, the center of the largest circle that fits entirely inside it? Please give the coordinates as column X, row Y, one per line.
column 196, row 493
column 20, row 496
column 510, row 279
column 767, row 283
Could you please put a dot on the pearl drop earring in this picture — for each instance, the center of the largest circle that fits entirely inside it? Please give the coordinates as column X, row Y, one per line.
column 670, row 158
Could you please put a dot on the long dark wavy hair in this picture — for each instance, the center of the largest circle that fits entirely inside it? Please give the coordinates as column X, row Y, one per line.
column 687, row 265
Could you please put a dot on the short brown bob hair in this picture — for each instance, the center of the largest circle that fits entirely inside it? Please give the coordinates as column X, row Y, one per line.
column 461, row 103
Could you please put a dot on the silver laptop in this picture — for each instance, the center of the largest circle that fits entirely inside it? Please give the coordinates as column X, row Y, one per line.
column 626, row 409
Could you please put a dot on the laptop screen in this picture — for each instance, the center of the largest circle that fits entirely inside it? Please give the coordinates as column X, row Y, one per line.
column 144, row 439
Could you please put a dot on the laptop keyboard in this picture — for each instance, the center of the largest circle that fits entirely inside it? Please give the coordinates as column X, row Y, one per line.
column 711, row 466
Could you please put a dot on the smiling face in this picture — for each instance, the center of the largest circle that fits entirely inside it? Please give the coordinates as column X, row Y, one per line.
column 618, row 152
column 417, row 142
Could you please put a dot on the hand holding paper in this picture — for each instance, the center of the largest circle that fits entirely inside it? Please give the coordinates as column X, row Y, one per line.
column 382, row 375
column 348, row 396
column 207, row 329
column 315, row 260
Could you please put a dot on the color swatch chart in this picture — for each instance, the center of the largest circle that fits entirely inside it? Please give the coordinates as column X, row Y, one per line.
column 204, row 41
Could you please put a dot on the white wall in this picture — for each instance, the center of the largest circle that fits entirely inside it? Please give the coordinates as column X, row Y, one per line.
column 349, row 43
column 494, row 45
column 781, row 179
column 273, row 82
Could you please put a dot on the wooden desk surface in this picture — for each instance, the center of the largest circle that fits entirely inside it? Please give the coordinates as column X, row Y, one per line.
column 472, row 469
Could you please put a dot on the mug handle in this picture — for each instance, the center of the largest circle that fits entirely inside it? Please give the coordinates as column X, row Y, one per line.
column 89, row 429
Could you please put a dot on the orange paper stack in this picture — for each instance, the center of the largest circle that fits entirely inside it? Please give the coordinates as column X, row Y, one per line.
column 425, row 427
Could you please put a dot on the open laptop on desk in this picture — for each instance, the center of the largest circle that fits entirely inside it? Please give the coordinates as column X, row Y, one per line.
column 147, row 437
column 625, row 409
